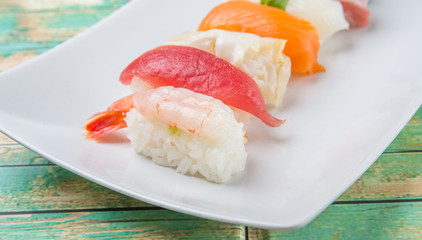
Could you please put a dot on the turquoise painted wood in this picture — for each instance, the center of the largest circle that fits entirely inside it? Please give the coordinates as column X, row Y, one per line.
column 134, row 224
column 357, row 221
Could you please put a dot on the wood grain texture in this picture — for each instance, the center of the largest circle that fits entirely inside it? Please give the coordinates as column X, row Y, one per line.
column 35, row 188
column 31, row 27
column 393, row 176
column 150, row 224
column 357, row 221
column 13, row 154
column 410, row 138
column 5, row 140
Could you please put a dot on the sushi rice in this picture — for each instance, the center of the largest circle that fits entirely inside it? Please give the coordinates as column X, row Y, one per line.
column 215, row 149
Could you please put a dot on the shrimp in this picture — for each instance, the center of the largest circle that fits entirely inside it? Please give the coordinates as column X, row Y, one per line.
column 186, row 110
column 178, row 107
column 192, row 132
column 111, row 120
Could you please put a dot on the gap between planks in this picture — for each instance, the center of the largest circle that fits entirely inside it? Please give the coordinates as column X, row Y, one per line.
column 160, row 208
column 80, row 210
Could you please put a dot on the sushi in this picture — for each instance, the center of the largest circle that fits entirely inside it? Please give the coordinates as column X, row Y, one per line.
column 325, row 15
column 187, row 111
column 201, row 72
column 261, row 58
column 355, row 12
column 243, row 16
column 192, row 132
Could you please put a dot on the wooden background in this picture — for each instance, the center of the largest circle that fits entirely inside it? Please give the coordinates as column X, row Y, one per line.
column 39, row 200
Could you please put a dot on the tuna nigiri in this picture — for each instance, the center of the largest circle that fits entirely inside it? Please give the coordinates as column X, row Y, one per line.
column 183, row 67
column 243, row 16
column 261, row 58
column 201, row 72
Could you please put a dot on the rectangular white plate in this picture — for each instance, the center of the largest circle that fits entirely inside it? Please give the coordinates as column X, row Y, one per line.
column 338, row 122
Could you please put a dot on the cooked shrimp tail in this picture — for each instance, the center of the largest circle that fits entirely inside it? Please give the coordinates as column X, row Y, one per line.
column 109, row 121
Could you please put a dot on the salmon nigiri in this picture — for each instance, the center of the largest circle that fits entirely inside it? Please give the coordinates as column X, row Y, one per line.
column 243, row 16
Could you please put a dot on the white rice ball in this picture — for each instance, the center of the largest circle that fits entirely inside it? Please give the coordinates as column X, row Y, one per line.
column 215, row 159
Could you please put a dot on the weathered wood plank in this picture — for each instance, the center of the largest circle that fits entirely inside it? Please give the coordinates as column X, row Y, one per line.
column 34, row 5
column 5, row 140
column 35, row 188
column 29, row 28
column 150, row 224
column 15, row 59
column 18, row 155
column 357, row 221
column 393, row 176
column 410, row 138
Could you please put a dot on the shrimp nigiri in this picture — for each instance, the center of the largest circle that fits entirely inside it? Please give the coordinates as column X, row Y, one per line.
column 179, row 128
column 192, row 132
column 243, row 16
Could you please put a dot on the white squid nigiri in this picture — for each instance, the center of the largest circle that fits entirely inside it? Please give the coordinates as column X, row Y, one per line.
column 325, row 15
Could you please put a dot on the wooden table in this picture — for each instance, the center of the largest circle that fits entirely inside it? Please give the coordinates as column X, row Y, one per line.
column 39, row 200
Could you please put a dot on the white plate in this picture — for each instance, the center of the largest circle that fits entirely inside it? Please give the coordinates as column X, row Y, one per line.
column 338, row 122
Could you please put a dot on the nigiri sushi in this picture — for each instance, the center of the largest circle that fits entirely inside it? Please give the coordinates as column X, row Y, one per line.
column 355, row 12
column 201, row 72
column 192, row 132
column 325, row 15
column 243, row 16
column 261, row 58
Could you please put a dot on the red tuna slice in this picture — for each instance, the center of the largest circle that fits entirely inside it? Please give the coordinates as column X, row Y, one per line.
column 201, row 72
